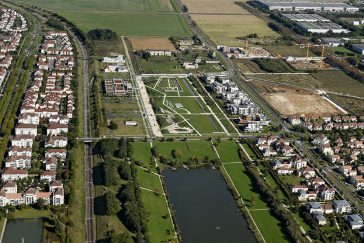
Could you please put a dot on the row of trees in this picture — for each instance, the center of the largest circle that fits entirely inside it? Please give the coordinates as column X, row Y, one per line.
column 277, row 208
column 273, row 65
column 102, row 34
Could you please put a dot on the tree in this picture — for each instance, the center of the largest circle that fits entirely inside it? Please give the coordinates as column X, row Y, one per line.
column 122, row 238
column 112, row 204
column 146, row 55
column 177, row 153
column 113, row 125
column 102, row 34
column 124, row 171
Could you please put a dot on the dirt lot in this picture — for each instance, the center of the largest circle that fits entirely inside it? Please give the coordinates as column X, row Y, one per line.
column 151, row 43
column 289, row 101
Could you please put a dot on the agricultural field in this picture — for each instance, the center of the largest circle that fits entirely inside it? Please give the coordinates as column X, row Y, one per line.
column 225, row 22
column 289, row 101
column 127, row 18
column 180, row 109
column 150, row 43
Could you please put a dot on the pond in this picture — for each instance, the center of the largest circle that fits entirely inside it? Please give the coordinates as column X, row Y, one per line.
column 205, row 210
column 23, row 231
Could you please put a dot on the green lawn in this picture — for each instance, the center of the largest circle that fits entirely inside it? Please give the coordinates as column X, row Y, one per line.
column 160, row 226
column 29, row 213
column 249, row 151
column 189, row 105
column 204, row 124
column 141, row 152
column 339, row 82
column 228, row 151
column 269, row 226
column 148, row 180
column 244, row 186
column 188, row 149
column 126, row 17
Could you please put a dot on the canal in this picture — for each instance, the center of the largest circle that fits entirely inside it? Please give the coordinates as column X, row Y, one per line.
column 205, row 210
column 23, row 230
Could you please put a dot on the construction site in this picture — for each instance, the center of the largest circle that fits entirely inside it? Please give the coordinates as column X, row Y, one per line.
column 309, row 63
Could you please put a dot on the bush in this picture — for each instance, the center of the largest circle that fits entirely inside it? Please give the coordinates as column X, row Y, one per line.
column 102, row 34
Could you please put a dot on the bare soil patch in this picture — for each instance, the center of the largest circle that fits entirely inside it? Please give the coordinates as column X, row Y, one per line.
column 151, row 43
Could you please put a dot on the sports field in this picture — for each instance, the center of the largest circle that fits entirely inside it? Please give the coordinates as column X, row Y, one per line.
column 126, row 17
column 180, row 109
column 224, row 21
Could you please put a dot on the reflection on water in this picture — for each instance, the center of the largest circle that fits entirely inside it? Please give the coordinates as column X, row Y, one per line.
column 205, row 210
column 23, row 230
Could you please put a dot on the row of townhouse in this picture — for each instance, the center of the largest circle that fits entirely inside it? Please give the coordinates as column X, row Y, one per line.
column 274, row 146
column 10, row 38
column 9, row 194
column 327, row 123
column 239, row 103
column 51, row 106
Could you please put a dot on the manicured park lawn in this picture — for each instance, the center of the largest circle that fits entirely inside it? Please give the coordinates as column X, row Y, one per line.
column 204, row 124
column 269, row 226
column 188, row 149
column 249, row 151
column 160, row 226
column 148, row 180
column 141, row 152
column 189, row 105
column 244, row 186
column 228, row 151
column 29, row 213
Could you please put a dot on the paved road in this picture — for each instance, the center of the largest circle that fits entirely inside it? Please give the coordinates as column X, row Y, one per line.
column 89, row 200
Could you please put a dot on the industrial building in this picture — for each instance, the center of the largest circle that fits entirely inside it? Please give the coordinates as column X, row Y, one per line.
column 305, row 18
column 303, row 6
column 322, row 27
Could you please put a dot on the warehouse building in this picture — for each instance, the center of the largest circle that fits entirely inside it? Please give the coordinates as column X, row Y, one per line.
column 305, row 18
column 303, row 6
column 322, row 27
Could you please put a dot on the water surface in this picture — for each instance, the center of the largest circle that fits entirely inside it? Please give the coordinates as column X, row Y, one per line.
column 23, row 230
column 205, row 210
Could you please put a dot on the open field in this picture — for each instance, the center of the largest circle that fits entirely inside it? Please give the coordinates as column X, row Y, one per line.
column 291, row 103
column 188, row 149
column 356, row 106
column 228, row 151
column 247, row 66
column 271, row 229
column 127, row 18
column 142, row 152
column 226, row 29
column 224, row 21
column 268, row 225
column 339, row 82
column 334, row 81
column 286, row 50
column 151, row 43
column 101, row 5
column 160, row 228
